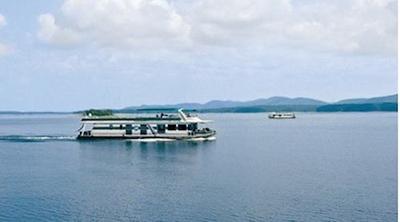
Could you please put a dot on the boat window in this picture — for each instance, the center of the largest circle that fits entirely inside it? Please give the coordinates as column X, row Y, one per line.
column 182, row 127
column 161, row 128
column 143, row 129
column 192, row 126
column 171, row 127
column 128, row 129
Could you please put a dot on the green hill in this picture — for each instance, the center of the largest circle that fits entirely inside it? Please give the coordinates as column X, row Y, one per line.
column 383, row 99
column 363, row 107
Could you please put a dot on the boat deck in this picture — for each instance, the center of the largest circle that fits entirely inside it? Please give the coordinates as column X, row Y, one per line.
column 120, row 118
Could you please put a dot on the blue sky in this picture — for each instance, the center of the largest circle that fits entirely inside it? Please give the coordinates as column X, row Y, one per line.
column 69, row 54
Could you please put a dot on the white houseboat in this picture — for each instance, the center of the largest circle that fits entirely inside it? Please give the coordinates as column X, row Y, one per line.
column 162, row 126
column 282, row 116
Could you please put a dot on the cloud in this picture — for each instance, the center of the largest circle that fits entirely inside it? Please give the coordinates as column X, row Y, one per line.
column 353, row 26
column 356, row 26
column 52, row 33
column 3, row 21
column 123, row 24
column 4, row 49
column 238, row 22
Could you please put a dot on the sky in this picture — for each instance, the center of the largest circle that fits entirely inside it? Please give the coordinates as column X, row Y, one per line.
column 65, row 55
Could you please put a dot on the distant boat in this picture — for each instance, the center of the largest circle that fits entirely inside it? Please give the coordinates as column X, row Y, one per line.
column 163, row 126
column 282, row 116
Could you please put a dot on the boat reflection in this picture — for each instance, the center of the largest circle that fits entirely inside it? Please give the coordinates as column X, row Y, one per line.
column 128, row 152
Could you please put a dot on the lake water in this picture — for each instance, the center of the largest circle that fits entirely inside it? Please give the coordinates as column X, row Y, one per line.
column 318, row 167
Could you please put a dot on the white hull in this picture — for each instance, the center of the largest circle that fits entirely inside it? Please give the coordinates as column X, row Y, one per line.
column 282, row 116
column 166, row 136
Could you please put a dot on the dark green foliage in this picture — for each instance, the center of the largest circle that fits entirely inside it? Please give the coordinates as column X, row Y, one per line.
column 365, row 107
column 99, row 112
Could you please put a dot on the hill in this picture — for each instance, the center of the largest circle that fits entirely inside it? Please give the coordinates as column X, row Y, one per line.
column 281, row 104
column 383, row 99
column 224, row 104
column 362, row 107
column 384, row 103
column 272, row 104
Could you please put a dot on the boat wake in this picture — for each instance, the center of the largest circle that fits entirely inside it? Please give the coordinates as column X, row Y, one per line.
column 203, row 139
column 36, row 138
column 152, row 140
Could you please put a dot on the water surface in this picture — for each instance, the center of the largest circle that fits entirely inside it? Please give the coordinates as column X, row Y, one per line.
column 318, row 167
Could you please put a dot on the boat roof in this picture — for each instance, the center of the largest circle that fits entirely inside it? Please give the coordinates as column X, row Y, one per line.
column 122, row 118
column 180, row 117
column 157, row 120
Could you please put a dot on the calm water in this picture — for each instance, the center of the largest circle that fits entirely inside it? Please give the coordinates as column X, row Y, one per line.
column 319, row 167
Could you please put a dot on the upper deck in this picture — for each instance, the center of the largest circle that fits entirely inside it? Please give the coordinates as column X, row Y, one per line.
column 181, row 117
column 126, row 118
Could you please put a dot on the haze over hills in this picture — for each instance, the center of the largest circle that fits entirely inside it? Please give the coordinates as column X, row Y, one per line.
column 278, row 103
column 272, row 104
column 383, row 99
column 218, row 104
column 385, row 103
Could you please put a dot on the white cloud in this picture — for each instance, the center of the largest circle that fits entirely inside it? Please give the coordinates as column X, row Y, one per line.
column 3, row 21
column 118, row 23
column 356, row 26
column 52, row 33
column 237, row 21
column 4, row 49
column 359, row 26
column 353, row 26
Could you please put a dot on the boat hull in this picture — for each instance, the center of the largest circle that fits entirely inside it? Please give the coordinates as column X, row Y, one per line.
column 291, row 117
column 282, row 116
column 205, row 136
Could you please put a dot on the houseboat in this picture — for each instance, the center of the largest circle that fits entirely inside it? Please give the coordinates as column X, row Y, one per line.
column 282, row 116
column 177, row 126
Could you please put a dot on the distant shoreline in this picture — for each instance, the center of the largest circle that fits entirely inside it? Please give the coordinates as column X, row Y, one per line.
column 272, row 104
column 80, row 113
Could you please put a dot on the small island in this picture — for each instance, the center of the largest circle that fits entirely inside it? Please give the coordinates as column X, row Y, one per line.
column 98, row 112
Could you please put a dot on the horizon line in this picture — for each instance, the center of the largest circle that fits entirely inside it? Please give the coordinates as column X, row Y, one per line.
column 79, row 110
